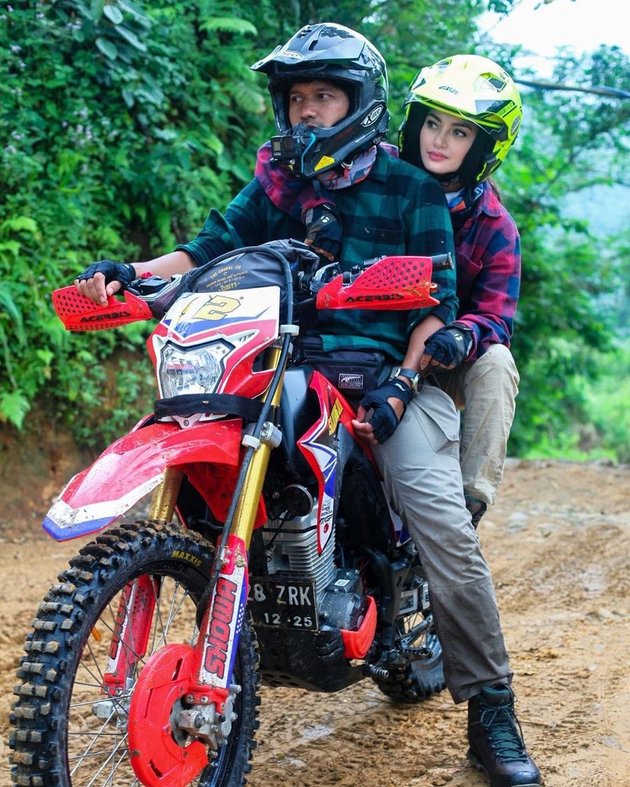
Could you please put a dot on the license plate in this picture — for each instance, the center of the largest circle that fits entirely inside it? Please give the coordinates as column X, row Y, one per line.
column 283, row 603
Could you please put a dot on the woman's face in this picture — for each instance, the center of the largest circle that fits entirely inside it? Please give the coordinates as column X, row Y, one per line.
column 319, row 104
column 444, row 142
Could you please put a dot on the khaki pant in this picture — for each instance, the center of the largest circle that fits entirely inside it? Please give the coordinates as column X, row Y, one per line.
column 420, row 466
column 486, row 391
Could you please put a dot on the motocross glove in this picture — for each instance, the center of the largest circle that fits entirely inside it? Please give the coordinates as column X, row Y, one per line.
column 383, row 417
column 323, row 231
column 122, row 272
column 449, row 346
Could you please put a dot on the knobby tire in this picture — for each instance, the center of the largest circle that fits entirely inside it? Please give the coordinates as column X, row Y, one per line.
column 421, row 677
column 57, row 739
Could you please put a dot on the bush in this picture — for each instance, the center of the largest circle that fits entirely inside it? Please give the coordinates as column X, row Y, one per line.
column 120, row 126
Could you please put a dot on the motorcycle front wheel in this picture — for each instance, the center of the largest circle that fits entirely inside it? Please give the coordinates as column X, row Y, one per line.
column 68, row 732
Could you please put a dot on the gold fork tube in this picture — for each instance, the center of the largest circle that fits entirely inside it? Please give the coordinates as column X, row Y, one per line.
column 245, row 515
column 165, row 496
column 243, row 525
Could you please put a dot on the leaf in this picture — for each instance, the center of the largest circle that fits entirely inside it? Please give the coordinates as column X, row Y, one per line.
column 107, row 48
column 7, row 303
column 155, row 96
column 128, row 97
column 131, row 38
column 18, row 223
column 166, row 134
column 13, row 408
column 11, row 246
column 113, row 13
column 229, row 24
column 136, row 13
column 45, row 356
column 214, row 144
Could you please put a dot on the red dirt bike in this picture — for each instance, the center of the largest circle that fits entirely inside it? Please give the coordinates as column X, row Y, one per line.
column 269, row 550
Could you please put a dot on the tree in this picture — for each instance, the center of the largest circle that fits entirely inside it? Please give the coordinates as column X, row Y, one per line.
column 123, row 122
column 571, row 141
column 120, row 124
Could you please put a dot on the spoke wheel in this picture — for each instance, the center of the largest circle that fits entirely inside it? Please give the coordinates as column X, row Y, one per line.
column 70, row 727
column 423, row 674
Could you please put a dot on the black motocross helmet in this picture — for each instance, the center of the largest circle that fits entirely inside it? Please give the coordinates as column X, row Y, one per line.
column 336, row 54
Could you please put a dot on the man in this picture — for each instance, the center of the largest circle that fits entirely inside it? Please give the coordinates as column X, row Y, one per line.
column 325, row 179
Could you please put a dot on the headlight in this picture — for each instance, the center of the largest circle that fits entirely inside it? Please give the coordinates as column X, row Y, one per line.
column 192, row 370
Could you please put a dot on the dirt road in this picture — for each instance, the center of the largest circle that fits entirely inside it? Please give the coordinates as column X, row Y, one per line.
column 558, row 541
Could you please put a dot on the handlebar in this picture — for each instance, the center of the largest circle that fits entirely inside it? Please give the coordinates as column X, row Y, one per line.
column 328, row 286
column 327, row 273
column 442, row 262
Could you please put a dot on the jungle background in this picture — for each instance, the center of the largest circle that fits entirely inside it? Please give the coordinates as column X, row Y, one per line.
column 122, row 123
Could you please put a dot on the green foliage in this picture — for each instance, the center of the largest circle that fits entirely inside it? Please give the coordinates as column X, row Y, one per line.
column 607, row 399
column 123, row 122
column 574, row 290
column 605, row 431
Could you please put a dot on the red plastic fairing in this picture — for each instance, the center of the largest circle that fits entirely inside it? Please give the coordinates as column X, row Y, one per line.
column 132, row 466
column 79, row 313
column 394, row 283
column 215, row 483
column 357, row 643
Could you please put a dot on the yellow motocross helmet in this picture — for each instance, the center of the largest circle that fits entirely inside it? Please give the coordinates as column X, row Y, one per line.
column 476, row 89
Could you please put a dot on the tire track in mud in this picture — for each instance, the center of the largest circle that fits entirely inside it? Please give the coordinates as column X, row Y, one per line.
column 558, row 542
column 358, row 737
column 559, row 545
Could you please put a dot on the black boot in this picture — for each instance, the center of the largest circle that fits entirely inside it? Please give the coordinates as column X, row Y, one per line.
column 496, row 741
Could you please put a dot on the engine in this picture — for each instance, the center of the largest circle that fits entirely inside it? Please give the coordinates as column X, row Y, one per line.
column 291, row 551
column 290, row 540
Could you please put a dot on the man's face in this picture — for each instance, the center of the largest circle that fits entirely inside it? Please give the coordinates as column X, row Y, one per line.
column 320, row 104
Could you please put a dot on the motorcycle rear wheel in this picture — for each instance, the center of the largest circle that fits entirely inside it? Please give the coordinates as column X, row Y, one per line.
column 423, row 675
column 58, row 738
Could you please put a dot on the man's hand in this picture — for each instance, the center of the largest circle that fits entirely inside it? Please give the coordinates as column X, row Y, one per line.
column 102, row 279
column 447, row 348
column 380, row 411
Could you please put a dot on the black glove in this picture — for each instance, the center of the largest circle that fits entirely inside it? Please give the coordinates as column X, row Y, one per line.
column 122, row 272
column 324, row 231
column 450, row 345
column 383, row 418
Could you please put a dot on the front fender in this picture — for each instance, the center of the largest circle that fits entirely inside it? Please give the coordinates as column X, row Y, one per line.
column 131, row 467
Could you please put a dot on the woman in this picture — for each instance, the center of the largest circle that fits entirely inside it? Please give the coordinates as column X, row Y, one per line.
column 462, row 116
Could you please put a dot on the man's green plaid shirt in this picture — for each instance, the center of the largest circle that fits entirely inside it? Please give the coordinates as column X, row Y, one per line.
column 398, row 209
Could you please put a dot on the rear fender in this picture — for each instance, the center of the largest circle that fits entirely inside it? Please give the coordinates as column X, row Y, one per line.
column 132, row 467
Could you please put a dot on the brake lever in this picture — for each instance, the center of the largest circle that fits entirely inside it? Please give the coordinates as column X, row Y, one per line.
column 323, row 275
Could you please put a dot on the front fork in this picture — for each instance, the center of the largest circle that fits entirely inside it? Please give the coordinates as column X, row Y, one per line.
column 210, row 694
column 136, row 607
column 209, row 714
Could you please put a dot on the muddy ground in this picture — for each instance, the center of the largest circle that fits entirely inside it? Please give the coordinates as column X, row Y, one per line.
column 558, row 542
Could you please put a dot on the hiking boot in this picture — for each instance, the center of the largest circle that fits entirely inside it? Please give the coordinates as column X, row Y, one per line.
column 496, row 740
column 476, row 507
